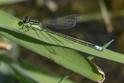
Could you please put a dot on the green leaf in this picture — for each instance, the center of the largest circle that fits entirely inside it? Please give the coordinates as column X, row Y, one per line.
column 67, row 57
column 5, row 69
column 10, row 21
column 39, row 77
column 26, row 75
column 5, row 2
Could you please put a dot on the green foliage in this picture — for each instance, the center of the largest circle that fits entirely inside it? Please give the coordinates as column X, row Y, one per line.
column 5, row 2
column 66, row 57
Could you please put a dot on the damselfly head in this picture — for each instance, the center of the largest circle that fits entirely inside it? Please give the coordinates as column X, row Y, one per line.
column 24, row 20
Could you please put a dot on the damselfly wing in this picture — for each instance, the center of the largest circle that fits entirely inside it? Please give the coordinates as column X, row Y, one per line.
column 66, row 22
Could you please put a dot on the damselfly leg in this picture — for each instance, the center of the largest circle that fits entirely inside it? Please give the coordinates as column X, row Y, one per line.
column 24, row 27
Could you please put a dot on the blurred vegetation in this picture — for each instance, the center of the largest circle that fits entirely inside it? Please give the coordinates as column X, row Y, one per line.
column 98, row 24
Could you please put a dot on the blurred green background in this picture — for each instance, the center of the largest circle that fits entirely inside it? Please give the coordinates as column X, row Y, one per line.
column 96, row 27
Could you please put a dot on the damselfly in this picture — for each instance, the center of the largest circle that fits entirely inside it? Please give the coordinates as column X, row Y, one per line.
column 65, row 22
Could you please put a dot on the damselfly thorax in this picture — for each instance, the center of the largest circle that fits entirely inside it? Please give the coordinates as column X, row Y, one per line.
column 26, row 22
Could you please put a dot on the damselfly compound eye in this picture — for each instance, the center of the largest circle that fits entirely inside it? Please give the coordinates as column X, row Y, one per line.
column 20, row 23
